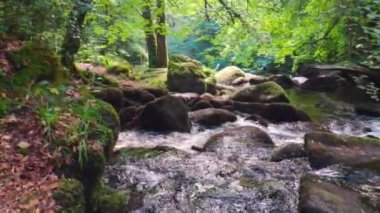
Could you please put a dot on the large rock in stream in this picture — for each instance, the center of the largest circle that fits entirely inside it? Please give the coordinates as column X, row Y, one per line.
column 166, row 114
column 369, row 109
column 318, row 195
column 244, row 134
column 288, row 151
column 227, row 75
column 324, row 149
column 274, row 112
column 212, row 117
column 265, row 93
column 187, row 75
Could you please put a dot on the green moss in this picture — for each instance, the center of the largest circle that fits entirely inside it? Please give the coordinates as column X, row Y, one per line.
column 186, row 68
column 270, row 88
column 97, row 79
column 308, row 102
column 102, row 120
column 326, row 195
column 106, row 199
column 156, row 81
column 37, row 63
column 266, row 92
column 120, row 69
column 247, row 183
column 5, row 105
column 183, row 65
column 69, row 195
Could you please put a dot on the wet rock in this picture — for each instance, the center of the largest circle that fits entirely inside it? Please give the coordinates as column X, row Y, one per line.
column 127, row 115
column 187, row 98
column 324, row 149
column 166, row 114
column 369, row 109
column 212, row 117
column 288, row 151
column 257, row 118
column 113, row 96
column 283, row 80
column 264, row 93
column 228, row 75
column 201, row 104
column 130, row 103
column 244, row 134
column 157, row 91
column 273, row 112
column 255, row 79
column 138, row 95
column 324, row 83
column 186, row 75
column 318, row 195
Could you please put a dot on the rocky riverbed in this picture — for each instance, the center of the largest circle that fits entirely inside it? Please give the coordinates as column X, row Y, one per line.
column 257, row 144
column 170, row 175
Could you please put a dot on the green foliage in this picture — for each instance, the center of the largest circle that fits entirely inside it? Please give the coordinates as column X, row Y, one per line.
column 35, row 20
column 5, row 105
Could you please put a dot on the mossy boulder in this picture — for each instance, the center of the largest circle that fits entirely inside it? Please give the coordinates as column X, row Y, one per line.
column 265, row 93
column 112, row 95
column 165, row 114
column 212, row 117
column 324, row 149
column 318, row 195
column 35, row 63
column 108, row 126
column 273, row 112
column 186, row 75
column 69, row 195
column 228, row 75
column 106, row 199
column 120, row 69
column 92, row 137
column 245, row 134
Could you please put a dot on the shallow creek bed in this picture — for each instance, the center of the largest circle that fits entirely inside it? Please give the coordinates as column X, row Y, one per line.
column 172, row 173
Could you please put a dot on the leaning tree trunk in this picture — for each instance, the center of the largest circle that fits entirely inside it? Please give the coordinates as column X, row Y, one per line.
column 71, row 43
column 161, row 31
column 150, row 37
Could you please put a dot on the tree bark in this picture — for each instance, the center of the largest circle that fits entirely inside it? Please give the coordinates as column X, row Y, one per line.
column 71, row 43
column 150, row 37
column 161, row 31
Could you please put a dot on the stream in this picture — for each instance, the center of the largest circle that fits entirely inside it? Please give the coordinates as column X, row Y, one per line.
column 236, row 177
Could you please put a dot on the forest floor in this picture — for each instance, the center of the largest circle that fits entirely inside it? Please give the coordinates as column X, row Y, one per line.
column 26, row 169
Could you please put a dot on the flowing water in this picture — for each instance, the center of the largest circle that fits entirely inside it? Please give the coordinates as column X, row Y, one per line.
column 236, row 177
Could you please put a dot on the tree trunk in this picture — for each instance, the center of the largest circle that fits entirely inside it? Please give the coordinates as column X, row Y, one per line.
column 161, row 31
column 71, row 43
column 150, row 37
